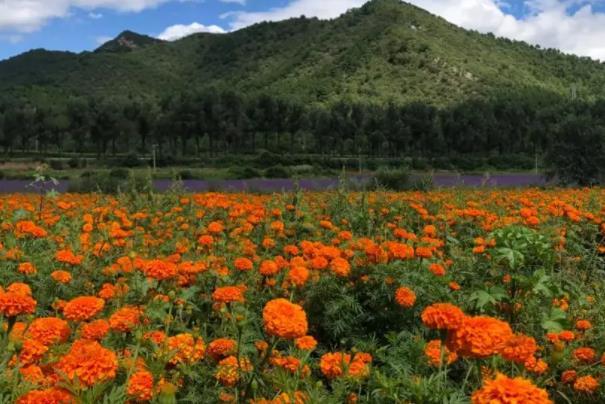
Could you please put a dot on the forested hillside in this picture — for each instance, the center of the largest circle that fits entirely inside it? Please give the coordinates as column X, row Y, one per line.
column 387, row 79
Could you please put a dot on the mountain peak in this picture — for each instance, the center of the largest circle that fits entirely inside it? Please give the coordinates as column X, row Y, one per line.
column 127, row 41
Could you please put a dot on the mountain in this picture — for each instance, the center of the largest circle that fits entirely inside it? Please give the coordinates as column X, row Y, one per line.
column 386, row 50
column 128, row 41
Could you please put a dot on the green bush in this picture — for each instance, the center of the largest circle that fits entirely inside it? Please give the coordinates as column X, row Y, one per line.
column 277, row 172
column 56, row 164
column 394, row 180
column 244, row 173
column 119, row 173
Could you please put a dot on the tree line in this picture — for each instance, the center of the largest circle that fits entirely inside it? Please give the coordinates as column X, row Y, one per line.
column 222, row 122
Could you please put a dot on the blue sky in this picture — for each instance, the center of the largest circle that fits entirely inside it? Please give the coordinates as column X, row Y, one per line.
column 574, row 26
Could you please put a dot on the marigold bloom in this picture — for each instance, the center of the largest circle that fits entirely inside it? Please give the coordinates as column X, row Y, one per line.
column 61, row 276
column 338, row 364
column 479, row 337
column 27, row 268
column 306, row 343
column 83, row 308
column 284, row 319
column 586, row 384
column 229, row 294
column 14, row 303
column 437, row 269
column 442, row 316
column 140, row 385
column 49, row 330
column 228, row 370
column 68, row 257
column 405, row 297
column 32, row 351
column 584, row 354
column 340, row 267
column 89, row 362
column 243, row 264
column 52, row 395
column 435, row 351
column 160, row 269
column 184, row 348
column 583, row 325
column 95, row 330
column 504, row 390
column 125, row 319
column 221, row 348
column 298, row 276
column 519, row 348
column 569, row 376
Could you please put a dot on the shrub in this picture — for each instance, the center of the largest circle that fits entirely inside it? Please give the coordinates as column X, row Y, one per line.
column 277, row 172
column 395, row 180
column 244, row 173
column 119, row 173
column 56, row 164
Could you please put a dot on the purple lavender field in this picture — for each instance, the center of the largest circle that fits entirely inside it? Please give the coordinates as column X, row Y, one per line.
column 313, row 184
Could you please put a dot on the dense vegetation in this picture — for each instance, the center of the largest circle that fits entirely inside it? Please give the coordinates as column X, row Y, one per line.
column 453, row 297
column 385, row 80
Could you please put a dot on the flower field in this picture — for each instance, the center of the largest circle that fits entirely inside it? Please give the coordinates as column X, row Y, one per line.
column 457, row 296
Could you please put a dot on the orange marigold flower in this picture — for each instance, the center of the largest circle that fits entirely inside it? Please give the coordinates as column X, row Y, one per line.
column 95, row 330
column 83, row 308
column 68, row 257
column 442, row 316
column 243, row 264
column 479, row 337
column 27, row 268
column 504, row 390
column 569, row 376
column 61, row 276
column 160, row 269
column 89, row 362
column 405, row 297
column 338, row 364
column 228, row 370
column 229, row 294
column 14, row 303
column 32, row 351
column 284, row 319
column 435, row 350
column 125, row 319
column 49, row 330
column 519, row 348
column 583, row 325
column 340, row 267
column 298, row 276
column 184, row 348
column 52, row 395
column 268, row 268
column 28, row 228
column 215, row 227
column 306, row 343
column 140, row 385
column 584, row 354
column 221, row 348
column 566, row 336
column 437, row 269
column 586, row 384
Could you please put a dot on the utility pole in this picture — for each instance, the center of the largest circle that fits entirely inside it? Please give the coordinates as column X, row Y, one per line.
column 154, row 149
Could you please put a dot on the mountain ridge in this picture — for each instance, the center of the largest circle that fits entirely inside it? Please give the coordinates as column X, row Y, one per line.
column 384, row 51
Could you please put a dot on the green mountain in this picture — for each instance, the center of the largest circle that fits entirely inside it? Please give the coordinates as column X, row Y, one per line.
column 128, row 41
column 386, row 50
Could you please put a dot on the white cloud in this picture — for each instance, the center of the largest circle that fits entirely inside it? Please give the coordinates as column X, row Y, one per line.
column 179, row 31
column 241, row 2
column 549, row 23
column 296, row 8
column 30, row 15
column 95, row 16
column 100, row 40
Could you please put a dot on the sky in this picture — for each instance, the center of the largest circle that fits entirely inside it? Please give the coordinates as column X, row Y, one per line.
column 573, row 26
